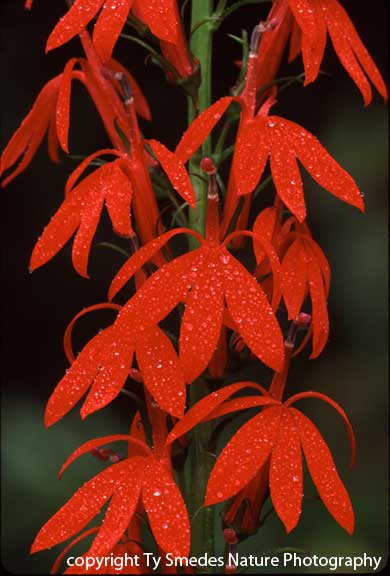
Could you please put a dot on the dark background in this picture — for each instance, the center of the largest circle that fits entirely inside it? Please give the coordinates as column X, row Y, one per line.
column 36, row 308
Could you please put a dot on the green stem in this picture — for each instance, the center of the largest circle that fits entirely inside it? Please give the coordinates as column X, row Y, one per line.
column 201, row 47
column 200, row 462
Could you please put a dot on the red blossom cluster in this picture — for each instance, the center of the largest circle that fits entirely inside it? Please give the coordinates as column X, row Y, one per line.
column 218, row 301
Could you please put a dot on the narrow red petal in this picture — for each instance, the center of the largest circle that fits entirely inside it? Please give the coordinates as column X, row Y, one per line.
column 313, row 40
column 351, row 50
column 320, row 319
column 115, row 362
column 200, row 128
column 160, row 369
column 321, row 166
column 109, row 25
column 121, row 508
column 80, row 509
column 202, row 319
column 306, row 17
column 202, row 409
column 166, row 510
column 78, row 16
column 253, row 314
column 118, row 197
column 77, row 379
column 294, row 278
column 175, row 170
column 63, row 104
column 286, row 483
column 264, row 227
column 284, row 168
column 243, row 456
column 162, row 18
column 59, row 230
column 295, row 42
column 250, row 154
column 323, row 472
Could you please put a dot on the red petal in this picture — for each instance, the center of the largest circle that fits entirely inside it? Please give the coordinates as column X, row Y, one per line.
column 160, row 369
column 294, row 278
column 78, row 16
column 200, row 128
column 175, row 171
column 323, row 472
column 59, row 230
column 285, row 171
column 118, row 199
column 295, row 42
column 28, row 136
column 243, row 456
column 318, row 296
column 306, row 17
column 202, row 409
column 286, row 473
column 321, row 166
column 253, row 314
column 121, row 508
column 162, row 18
column 322, row 261
column 109, row 25
column 202, row 319
column 140, row 258
column 313, row 48
column 77, row 379
column 89, row 220
column 80, row 509
column 63, row 104
column 250, row 154
column 53, row 145
column 114, row 366
column 264, row 227
column 347, row 43
column 166, row 510
column 97, row 442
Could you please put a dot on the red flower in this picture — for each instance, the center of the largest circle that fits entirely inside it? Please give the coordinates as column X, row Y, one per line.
column 105, row 361
column 51, row 113
column 162, row 17
column 114, row 183
column 284, row 141
column 304, row 270
column 138, row 478
column 315, row 18
column 276, row 435
column 203, row 279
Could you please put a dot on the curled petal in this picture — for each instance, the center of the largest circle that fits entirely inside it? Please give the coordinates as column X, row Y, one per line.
column 250, row 155
column 63, row 104
column 162, row 18
column 294, row 278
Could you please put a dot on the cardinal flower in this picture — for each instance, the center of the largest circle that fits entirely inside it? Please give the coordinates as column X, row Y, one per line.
column 51, row 113
column 104, row 363
column 284, row 141
column 140, row 478
column 304, row 270
column 206, row 280
column 115, row 183
column 161, row 16
column 275, row 436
